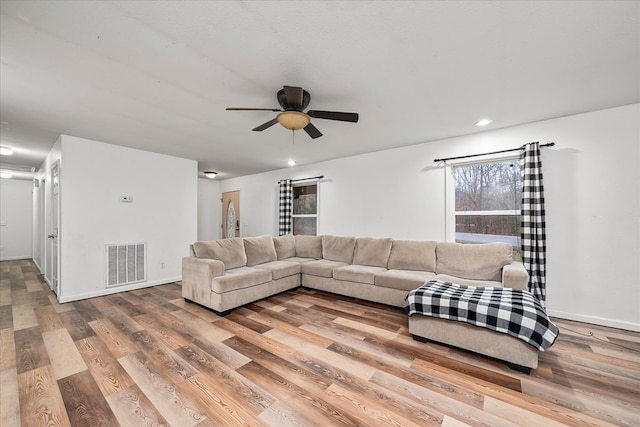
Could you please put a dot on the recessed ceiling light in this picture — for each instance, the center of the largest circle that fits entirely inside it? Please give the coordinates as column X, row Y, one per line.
column 483, row 122
column 5, row 175
column 5, row 151
column 210, row 174
column 291, row 162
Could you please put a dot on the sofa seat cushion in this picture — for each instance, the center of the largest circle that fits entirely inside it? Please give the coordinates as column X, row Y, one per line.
column 358, row 273
column 298, row 259
column 259, row 250
column 373, row 252
column 473, row 261
column 321, row 267
column 229, row 251
column 405, row 280
column 280, row 269
column 468, row 282
column 240, row 278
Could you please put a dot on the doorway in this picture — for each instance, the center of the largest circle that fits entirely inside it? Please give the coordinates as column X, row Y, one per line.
column 230, row 214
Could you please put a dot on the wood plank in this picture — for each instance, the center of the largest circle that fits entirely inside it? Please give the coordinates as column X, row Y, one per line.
column 238, row 390
column 30, row 350
column 395, row 402
column 122, row 321
column 303, row 378
column 75, row 324
column 359, row 369
column 59, row 308
column 174, row 367
column 108, row 374
column 85, row 405
column 132, row 408
column 297, row 398
column 87, row 310
column 63, row 354
column 223, row 352
column 219, row 407
column 48, row 318
column 6, row 316
column 282, row 416
column 115, row 341
column 9, row 400
column 23, row 317
column 41, row 402
column 7, row 349
column 175, row 407
column 368, row 411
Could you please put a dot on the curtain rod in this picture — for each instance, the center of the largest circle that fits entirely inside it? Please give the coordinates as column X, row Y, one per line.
column 551, row 144
column 304, row 179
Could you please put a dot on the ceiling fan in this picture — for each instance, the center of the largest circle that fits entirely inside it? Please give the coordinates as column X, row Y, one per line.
column 293, row 101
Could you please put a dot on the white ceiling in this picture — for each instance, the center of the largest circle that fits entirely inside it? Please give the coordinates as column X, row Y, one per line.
column 158, row 75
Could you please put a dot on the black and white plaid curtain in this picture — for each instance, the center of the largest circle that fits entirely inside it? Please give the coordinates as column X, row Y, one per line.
column 286, row 207
column 532, row 230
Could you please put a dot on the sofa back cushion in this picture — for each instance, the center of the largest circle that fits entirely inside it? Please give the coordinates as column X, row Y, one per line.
column 259, row 250
column 285, row 246
column 338, row 248
column 413, row 255
column 373, row 252
column 229, row 251
column 473, row 261
column 309, row 247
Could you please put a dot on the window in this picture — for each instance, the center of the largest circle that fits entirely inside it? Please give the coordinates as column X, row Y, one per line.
column 305, row 208
column 487, row 199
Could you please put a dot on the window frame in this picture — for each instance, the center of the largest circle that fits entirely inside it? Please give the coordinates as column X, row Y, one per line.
column 450, row 191
column 306, row 183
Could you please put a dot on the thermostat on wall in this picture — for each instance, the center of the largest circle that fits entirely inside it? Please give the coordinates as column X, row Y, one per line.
column 126, row 199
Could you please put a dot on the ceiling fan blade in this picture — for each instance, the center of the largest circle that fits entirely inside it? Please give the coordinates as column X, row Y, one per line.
column 266, row 125
column 334, row 115
column 312, row 131
column 251, row 109
column 293, row 96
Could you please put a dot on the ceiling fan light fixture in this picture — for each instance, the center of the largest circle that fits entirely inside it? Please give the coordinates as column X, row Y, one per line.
column 293, row 120
column 210, row 174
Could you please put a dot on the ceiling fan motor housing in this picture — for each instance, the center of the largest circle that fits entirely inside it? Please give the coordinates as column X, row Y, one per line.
column 282, row 100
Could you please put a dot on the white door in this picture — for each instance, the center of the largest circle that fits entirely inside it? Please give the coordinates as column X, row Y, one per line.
column 54, row 230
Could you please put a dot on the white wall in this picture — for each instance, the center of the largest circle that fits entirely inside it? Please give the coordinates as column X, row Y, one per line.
column 15, row 219
column 93, row 176
column 208, row 209
column 592, row 185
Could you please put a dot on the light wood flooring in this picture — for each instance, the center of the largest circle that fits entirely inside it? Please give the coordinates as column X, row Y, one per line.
column 304, row 357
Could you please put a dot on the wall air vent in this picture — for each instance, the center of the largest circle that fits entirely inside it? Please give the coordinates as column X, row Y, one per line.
column 126, row 264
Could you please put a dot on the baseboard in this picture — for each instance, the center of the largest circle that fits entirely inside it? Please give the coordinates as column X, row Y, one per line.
column 109, row 291
column 15, row 258
column 612, row 323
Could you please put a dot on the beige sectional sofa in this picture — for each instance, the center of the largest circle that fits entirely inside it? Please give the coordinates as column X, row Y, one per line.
column 225, row 274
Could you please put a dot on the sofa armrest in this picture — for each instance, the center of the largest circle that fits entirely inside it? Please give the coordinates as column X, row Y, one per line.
column 515, row 276
column 197, row 275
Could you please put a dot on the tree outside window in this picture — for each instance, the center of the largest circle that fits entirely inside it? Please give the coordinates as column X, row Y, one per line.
column 305, row 209
column 488, row 197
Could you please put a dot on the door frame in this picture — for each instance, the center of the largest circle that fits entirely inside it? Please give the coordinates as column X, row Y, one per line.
column 52, row 233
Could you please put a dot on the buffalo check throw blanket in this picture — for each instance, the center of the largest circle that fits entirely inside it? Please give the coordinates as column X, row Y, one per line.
column 511, row 311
